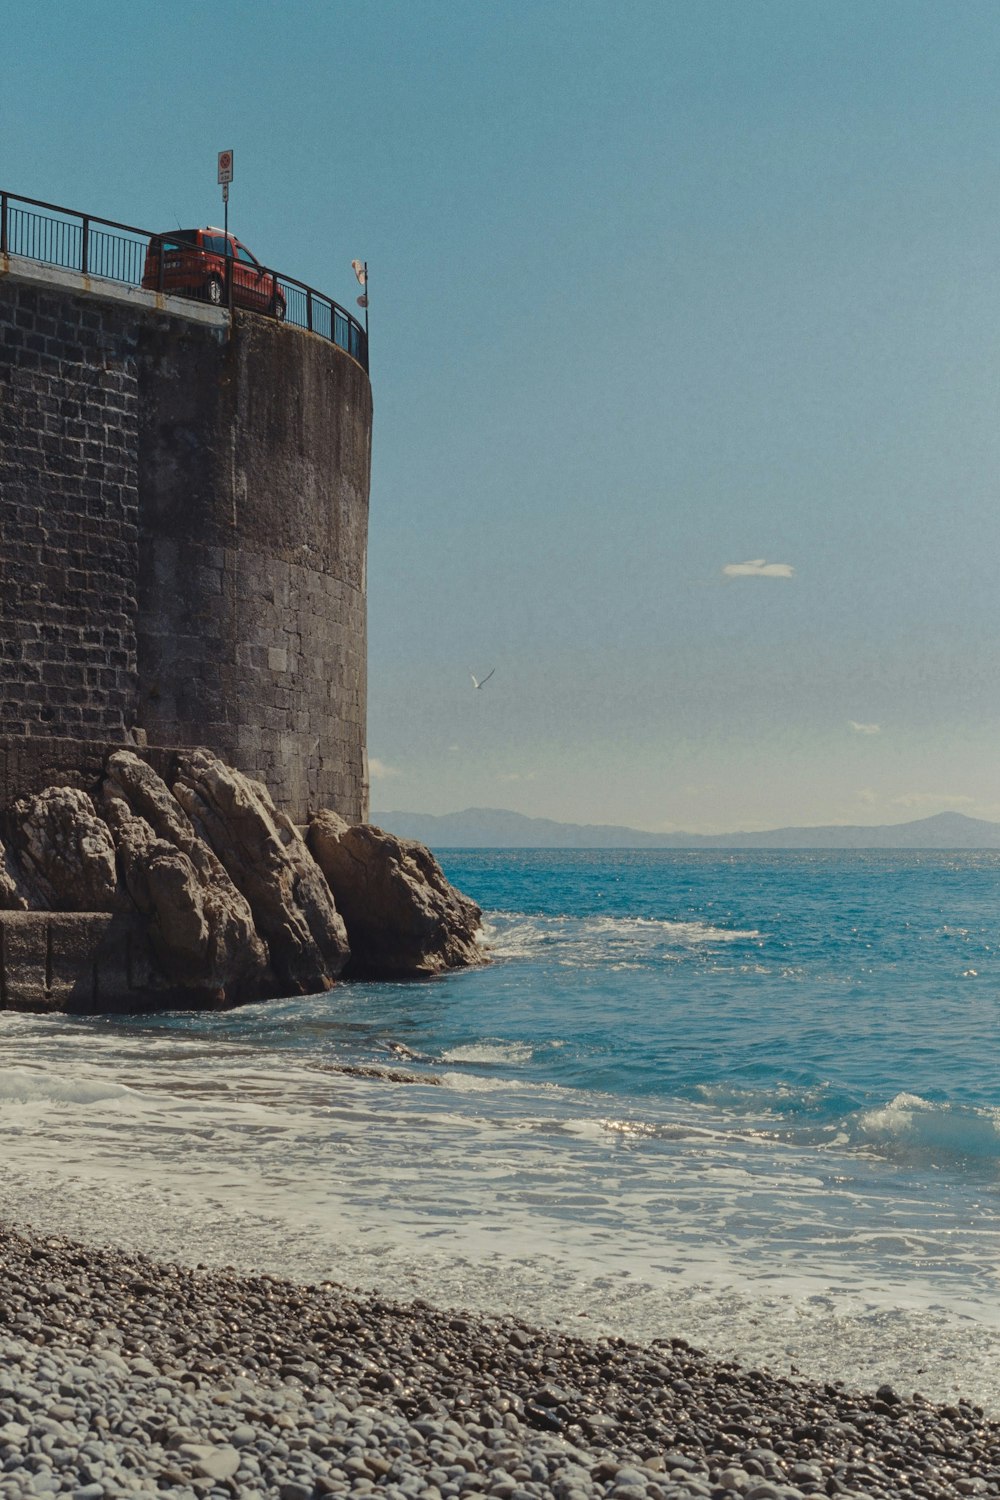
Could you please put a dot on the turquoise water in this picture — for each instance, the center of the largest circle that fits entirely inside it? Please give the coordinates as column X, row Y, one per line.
column 812, row 983
column 749, row 1097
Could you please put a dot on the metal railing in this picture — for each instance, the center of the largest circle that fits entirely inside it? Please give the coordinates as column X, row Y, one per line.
column 120, row 252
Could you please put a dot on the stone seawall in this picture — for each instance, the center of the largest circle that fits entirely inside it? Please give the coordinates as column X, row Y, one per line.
column 78, row 962
column 183, row 512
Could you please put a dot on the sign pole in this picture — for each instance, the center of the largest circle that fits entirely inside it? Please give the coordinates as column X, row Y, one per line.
column 225, row 178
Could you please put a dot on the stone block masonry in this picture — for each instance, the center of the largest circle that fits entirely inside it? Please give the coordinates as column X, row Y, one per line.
column 75, row 961
column 69, row 511
column 184, row 509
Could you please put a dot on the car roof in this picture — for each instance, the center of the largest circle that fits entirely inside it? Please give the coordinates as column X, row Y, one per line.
column 168, row 234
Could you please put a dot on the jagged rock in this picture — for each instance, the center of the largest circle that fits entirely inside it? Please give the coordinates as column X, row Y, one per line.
column 403, row 916
column 268, row 861
column 65, row 850
column 200, row 926
column 14, row 895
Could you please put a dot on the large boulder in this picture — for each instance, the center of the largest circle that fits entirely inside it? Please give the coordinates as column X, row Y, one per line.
column 65, row 851
column 267, row 858
column 200, row 926
column 404, row 919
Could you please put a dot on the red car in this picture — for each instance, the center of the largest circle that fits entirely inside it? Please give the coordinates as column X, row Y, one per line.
column 199, row 262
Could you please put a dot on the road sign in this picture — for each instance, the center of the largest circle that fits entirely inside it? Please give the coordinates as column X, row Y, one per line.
column 225, row 167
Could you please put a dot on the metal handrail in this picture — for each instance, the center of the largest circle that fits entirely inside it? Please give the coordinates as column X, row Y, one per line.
column 82, row 242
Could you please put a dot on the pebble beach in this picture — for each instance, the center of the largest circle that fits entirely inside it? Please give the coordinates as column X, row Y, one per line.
column 120, row 1376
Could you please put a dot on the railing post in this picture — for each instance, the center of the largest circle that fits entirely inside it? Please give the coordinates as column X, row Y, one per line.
column 160, row 259
column 309, row 310
column 3, row 223
column 84, row 245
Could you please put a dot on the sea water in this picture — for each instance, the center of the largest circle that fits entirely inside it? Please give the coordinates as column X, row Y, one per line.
column 747, row 1098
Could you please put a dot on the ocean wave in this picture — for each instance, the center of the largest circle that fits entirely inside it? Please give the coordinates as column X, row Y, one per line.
column 914, row 1125
column 906, row 1129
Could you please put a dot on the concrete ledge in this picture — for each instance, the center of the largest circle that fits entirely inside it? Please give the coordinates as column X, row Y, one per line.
column 75, row 961
column 37, row 273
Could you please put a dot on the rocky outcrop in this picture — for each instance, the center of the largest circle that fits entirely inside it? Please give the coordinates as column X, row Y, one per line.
column 199, row 892
column 65, row 850
column 404, row 919
column 268, row 861
column 200, row 926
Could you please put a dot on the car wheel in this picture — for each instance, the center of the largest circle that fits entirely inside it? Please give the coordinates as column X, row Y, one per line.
column 278, row 308
column 215, row 291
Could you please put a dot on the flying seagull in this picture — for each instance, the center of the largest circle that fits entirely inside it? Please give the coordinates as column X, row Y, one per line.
column 475, row 680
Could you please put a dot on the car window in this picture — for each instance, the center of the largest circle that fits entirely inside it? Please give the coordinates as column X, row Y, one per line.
column 214, row 243
column 178, row 237
column 244, row 255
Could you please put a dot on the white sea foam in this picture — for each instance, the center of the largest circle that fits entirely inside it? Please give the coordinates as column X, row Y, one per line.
column 621, row 941
column 36, row 1087
column 485, row 1083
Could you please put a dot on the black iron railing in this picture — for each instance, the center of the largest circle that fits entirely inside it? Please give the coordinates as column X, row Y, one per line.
column 120, row 252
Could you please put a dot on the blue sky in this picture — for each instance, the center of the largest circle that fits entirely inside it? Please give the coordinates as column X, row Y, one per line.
column 656, row 288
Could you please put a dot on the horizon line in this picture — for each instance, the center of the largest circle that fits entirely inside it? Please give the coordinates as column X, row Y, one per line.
column 688, row 832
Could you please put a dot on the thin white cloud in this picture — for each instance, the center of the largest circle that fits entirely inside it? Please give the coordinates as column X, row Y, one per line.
column 864, row 728
column 379, row 771
column 517, row 775
column 758, row 567
column 867, row 796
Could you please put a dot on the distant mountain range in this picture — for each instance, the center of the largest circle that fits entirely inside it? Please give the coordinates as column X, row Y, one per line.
column 494, row 828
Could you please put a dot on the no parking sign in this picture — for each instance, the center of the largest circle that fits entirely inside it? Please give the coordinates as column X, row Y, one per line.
column 226, row 177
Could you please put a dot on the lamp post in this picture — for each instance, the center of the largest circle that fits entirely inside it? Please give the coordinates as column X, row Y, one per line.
column 360, row 269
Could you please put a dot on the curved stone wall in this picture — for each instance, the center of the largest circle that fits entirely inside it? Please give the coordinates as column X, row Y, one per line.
column 253, row 482
column 184, row 511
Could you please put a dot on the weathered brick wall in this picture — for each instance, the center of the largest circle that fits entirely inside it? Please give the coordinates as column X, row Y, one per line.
column 68, row 506
column 184, row 512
